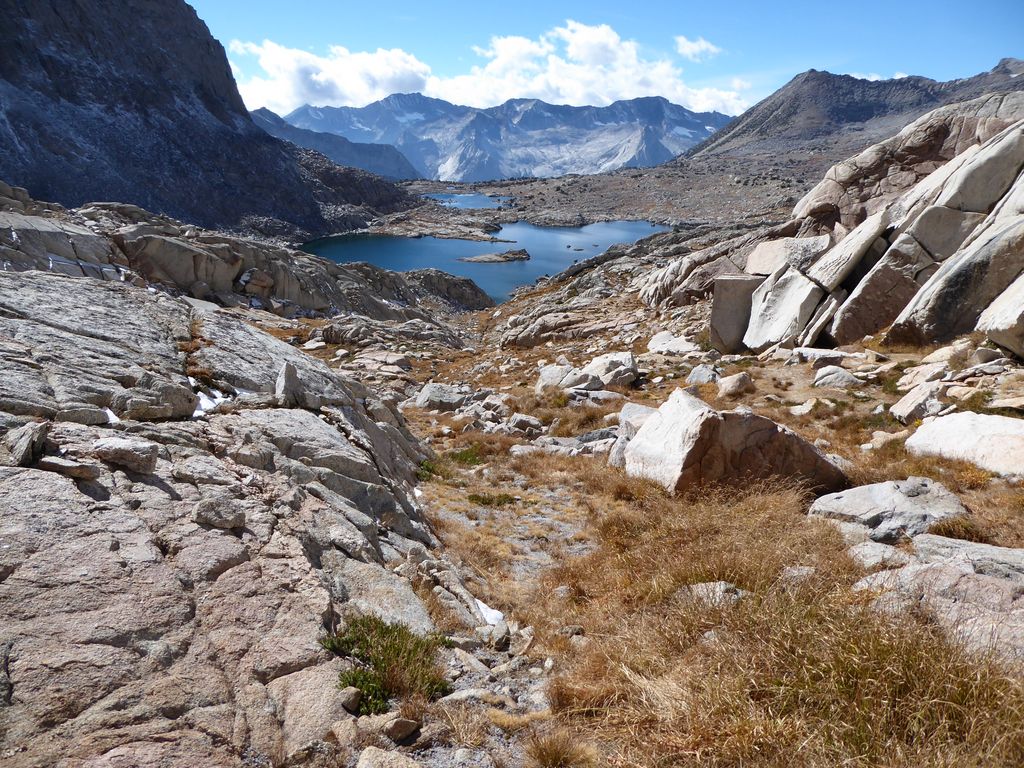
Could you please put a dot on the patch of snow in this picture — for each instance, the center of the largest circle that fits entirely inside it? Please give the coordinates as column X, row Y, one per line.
column 111, row 416
column 207, row 402
column 680, row 131
column 709, row 128
column 417, row 493
column 491, row 616
column 410, row 117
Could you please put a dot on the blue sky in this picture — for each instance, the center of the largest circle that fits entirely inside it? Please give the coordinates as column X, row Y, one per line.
column 709, row 55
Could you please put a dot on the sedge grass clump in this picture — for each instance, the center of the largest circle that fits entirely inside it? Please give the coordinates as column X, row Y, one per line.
column 558, row 749
column 960, row 527
column 395, row 662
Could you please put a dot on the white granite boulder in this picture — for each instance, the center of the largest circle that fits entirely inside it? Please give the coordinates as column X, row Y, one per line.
column 893, row 509
column 994, row 443
column 687, row 444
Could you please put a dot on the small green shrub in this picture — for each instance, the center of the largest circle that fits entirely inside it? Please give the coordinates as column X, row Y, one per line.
column 491, row 500
column 467, row 457
column 398, row 663
column 429, row 469
column 375, row 699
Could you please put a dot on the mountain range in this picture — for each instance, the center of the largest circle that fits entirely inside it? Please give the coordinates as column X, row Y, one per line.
column 520, row 138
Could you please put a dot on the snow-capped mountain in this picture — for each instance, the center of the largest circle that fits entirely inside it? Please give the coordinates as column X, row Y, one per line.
column 522, row 137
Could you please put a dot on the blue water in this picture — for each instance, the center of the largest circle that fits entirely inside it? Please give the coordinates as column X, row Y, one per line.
column 467, row 200
column 551, row 249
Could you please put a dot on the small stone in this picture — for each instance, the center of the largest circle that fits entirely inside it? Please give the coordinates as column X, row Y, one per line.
column 24, row 444
column 736, row 385
column 219, row 512
column 702, row 374
column 375, row 757
column 69, row 468
column 400, row 729
column 836, row 378
column 288, row 387
column 351, row 697
column 136, row 455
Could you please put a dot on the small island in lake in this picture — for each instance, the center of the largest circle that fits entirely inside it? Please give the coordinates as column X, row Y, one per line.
column 520, row 254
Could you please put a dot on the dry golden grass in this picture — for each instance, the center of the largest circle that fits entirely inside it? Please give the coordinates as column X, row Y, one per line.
column 793, row 675
column 552, row 405
column 963, row 527
column 511, row 722
column 558, row 749
column 894, row 462
column 467, row 726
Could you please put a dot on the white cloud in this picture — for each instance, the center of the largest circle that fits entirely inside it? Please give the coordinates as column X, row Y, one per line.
column 696, row 50
column 571, row 64
column 293, row 77
column 739, row 84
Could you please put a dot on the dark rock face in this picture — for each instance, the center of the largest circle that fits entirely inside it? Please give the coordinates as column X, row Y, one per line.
column 135, row 102
column 814, row 105
column 382, row 159
column 522, row 137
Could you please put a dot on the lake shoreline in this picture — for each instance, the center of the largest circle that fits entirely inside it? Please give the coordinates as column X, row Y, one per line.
column 552, row 250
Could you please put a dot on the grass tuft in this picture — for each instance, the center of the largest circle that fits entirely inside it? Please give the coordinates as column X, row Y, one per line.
column 558, row 749
column 800, row 674
column 961, row 527
column 491, row 500
column 397, row 663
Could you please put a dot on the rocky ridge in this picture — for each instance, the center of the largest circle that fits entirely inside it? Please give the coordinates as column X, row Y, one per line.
column 381, row 159
column 160, row 125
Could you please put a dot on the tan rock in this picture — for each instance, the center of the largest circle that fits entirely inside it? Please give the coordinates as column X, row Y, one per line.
column 374, row 757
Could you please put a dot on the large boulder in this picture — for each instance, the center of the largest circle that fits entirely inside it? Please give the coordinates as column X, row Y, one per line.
column 780, row 308
column 1003, row 319
column 951, row 302
column 941, row 230
column 688, row 444
column 730, row 310
column 800, row 252
column 986, row 176
column 864, row 242
column 893, row 509
column 885, row 290
column 994, row 443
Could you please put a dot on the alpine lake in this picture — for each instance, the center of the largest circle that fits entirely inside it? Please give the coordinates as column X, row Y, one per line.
column 551, row 249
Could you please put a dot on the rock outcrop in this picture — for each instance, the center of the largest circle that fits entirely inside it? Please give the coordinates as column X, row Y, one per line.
column 921, row 232
column 994, row 443
column 186, row 505
column 122, row 242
